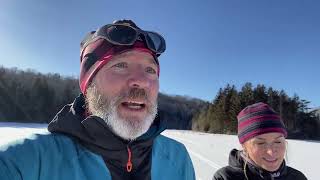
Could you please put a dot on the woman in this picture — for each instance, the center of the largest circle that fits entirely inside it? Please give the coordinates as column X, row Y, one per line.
column 262, row 135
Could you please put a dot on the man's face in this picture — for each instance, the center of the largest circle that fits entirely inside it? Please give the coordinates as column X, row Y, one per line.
column 124, row 93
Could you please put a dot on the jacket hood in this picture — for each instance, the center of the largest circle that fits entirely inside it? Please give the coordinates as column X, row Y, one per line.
column 71, row 121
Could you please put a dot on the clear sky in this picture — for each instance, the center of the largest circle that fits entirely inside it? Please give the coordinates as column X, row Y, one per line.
column 209, row 42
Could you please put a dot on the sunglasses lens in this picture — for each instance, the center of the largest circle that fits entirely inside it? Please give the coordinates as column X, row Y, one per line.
column 155, row 42
column 124, row 35
column 118, row 34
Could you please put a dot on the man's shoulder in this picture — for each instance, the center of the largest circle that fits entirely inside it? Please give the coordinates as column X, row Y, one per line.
column 41, row 144
column 46, row 155
column 169, row 143
column 171, row 157
column 32, row 140
column 170, row 148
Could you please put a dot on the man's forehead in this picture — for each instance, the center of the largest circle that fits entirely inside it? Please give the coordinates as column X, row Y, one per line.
column 132, row 54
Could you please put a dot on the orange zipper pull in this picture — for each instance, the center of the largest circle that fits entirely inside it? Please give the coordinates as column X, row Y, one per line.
column 129, row 163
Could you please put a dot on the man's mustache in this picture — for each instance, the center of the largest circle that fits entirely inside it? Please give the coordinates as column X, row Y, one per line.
column 135, row 93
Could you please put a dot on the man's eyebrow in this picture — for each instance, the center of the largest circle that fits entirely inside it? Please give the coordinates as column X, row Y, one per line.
column 121, row 56
column 152, row 59
column 260, row 138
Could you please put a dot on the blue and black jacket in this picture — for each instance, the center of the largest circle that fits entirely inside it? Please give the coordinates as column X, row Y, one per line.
column 82, row 148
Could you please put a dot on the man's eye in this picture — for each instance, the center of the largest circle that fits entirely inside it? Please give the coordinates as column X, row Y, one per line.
column 151, row 70
column 121, row 65
column 260, row 143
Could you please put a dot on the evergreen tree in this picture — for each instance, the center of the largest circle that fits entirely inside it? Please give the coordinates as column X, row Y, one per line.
column 246, row 95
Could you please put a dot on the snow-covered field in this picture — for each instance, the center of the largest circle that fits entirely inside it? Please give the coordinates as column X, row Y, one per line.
column 208, row 151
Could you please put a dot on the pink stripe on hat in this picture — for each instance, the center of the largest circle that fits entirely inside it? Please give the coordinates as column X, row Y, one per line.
column 256, row 119
column 91, row 64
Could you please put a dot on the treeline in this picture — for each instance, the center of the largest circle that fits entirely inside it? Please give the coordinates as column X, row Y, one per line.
column 220, row 115
column 29, row 96
column 178, row 111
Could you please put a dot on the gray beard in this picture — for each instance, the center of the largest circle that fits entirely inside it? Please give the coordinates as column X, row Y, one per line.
column 106, row 109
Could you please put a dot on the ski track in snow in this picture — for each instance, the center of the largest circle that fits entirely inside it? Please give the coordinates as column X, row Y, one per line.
column 208, row 152
column 197, row 155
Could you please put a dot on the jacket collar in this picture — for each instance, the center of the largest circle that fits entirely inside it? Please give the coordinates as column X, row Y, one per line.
column 71, row 120
column 238, row 159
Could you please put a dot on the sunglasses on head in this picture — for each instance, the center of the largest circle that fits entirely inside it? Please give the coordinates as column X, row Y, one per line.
column 126, row 35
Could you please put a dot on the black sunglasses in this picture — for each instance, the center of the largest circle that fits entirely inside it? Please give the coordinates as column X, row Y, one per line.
column 126, row 35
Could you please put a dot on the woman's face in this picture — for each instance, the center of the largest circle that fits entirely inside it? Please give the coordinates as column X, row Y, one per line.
column 266, row 150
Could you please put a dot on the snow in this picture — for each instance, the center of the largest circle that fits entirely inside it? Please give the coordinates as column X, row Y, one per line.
column 208, row 152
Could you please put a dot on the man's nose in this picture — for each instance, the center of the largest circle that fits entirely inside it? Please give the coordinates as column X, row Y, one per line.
column 138, row 79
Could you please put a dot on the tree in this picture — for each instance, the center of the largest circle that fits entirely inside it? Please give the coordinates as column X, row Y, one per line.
column 246, row 95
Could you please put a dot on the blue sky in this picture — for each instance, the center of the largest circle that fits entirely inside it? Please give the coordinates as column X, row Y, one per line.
column 209, row 42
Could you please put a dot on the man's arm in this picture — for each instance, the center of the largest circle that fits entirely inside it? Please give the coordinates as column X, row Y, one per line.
column 8, row 170
column 22, row 159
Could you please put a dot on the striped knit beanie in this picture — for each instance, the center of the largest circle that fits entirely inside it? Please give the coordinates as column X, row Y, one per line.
column 257, row 119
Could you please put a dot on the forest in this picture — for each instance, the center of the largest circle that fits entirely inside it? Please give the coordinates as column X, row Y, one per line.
column 30, row 96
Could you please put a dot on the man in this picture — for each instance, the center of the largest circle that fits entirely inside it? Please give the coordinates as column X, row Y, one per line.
column 111, row 130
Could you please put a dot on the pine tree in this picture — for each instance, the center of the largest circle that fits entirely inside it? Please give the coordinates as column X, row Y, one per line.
column 246, row 95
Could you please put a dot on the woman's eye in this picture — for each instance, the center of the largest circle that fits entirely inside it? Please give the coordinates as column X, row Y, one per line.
column 260, row 143
column 151, row 70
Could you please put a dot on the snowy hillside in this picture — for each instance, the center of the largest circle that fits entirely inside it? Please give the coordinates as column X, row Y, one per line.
column 208, row 151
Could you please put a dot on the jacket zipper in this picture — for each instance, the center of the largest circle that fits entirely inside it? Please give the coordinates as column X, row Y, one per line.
column 129, row 163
